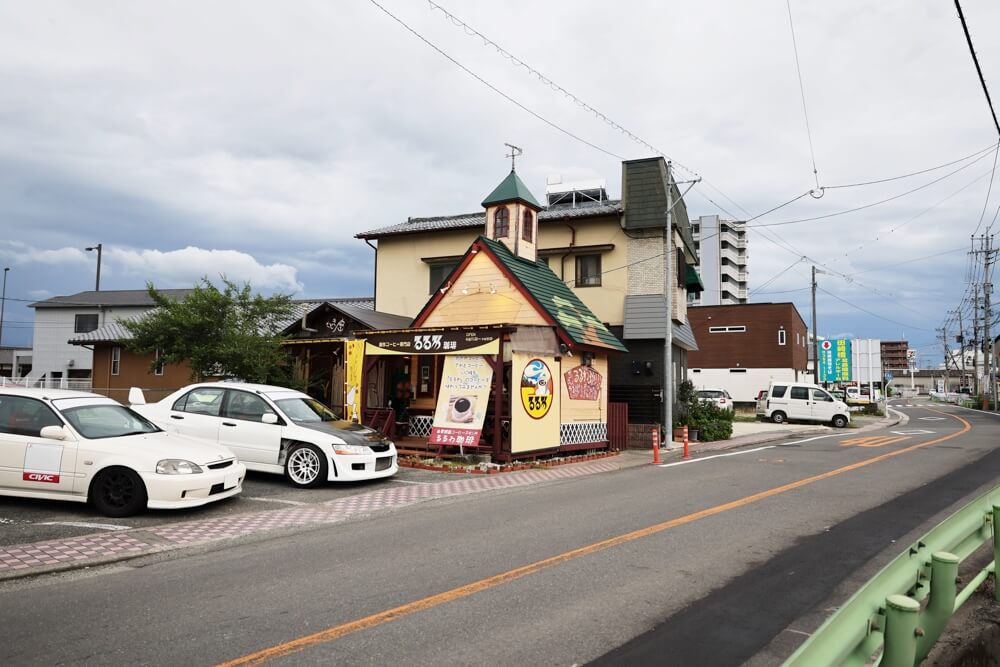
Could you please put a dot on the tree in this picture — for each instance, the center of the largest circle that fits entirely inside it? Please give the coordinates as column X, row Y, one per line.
column 229, row 333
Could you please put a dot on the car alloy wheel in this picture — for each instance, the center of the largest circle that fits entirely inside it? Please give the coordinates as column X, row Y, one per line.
column 306, row 466
column 118, row 492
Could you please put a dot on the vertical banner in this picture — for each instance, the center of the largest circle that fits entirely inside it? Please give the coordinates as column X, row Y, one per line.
column 352, row 382
column 535, row 411
column 835, row 360
column 463, row 398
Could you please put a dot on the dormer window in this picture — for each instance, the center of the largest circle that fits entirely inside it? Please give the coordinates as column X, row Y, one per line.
column 527, row 226
column 501, row 223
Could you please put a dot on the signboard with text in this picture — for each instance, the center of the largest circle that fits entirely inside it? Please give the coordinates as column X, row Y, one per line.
column 535, row 412
column 835, row 360
column 462, row 401
column 468, row 341
column 583, row 383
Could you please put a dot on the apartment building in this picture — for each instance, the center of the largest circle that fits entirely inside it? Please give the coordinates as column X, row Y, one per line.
column 722, row 261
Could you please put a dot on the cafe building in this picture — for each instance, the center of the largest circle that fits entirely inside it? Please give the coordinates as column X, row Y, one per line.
column 503, row 358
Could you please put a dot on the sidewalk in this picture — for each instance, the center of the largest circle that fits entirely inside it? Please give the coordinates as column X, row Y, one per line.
column 102, row 548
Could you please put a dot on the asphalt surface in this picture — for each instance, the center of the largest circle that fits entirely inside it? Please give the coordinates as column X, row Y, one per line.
column 24, row 520
column 718, row 561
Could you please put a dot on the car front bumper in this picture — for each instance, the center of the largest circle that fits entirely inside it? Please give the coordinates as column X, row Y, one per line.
column 180, row 491
column 357, row 468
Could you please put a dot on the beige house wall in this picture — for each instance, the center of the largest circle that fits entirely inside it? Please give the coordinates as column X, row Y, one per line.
column 402, row 278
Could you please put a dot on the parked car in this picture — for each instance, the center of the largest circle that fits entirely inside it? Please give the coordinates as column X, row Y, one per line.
column 761, row 399
column 72, row 445
column 275, row 429
column 805, row 402
column 720, row 397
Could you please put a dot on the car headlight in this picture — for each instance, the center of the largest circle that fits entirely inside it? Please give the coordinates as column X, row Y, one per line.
column 351, row 449
column 177, row 467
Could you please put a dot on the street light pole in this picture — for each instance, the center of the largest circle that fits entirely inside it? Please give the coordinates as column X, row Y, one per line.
column 99, row 247
column 815, row 332
column 3, row 301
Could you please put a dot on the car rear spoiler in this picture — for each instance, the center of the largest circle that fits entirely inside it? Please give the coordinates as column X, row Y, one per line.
column 136, row 397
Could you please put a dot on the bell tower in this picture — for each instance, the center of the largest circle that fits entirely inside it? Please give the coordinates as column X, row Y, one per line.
column 512, row 214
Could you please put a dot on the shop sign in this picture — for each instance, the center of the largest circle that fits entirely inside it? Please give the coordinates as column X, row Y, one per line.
column 536, row 388
column 433, row 341
column 535, row 419
column 835, row 360
column 352, row 383
column 462, row 401
column 583, row 383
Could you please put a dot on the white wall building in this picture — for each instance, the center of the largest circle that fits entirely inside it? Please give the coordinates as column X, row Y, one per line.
column 723, row 257
column 55, row 362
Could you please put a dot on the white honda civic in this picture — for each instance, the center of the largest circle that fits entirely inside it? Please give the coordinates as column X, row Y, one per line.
column 72, row 445
column 275, row 429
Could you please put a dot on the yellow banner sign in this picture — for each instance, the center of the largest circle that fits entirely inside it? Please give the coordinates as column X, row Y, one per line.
column 462, row 401
column 536, row 416
column 352, row 381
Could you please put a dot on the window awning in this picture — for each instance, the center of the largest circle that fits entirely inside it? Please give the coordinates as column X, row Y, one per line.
column 693, row 281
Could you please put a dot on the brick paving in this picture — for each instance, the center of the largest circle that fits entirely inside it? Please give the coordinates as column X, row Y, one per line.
column 86, row 549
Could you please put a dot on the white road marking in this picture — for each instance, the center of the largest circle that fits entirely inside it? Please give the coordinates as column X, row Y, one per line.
column 279, row 500
column 915, row 431
column 716, row 456
column 932, row 419
column 799, row 632
column 84, row 524
column 406, row 481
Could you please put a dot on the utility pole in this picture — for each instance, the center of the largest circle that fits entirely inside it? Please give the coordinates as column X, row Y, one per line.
column 3, row 304
column 668, row 333
column 975, row 340
column 99, row 248
column 815, row 332
column 987, row 315
column 947, row 376
column 961, row 345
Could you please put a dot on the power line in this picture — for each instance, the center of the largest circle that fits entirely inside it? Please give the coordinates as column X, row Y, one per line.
column 908, row 261
column 802, row 92
column 490, row 85
column 912, row 173
column 868, row 312
column 975, row 59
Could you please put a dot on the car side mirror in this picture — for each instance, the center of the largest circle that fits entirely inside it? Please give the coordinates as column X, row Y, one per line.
column 269, row 418
column 53, row 433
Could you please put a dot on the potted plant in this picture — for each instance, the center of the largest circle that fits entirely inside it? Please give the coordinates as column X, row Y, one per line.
column 682, row 409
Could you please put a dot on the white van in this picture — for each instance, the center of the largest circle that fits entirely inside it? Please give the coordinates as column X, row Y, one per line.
column 805, row 402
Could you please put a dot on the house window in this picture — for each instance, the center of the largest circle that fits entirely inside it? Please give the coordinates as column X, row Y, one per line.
column 438, row 272
column 588, row 270
column 158, row 366
column 732, row 329
column 116, row 360
column 796, row 337
column 527, row 226
column 85, row 323
column 501, row 223
column 781, row 336
column 737, row 370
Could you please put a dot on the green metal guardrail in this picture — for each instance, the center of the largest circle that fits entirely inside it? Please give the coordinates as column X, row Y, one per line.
column 905, row 607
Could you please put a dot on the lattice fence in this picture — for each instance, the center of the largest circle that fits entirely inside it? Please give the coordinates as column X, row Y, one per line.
column 578, row 432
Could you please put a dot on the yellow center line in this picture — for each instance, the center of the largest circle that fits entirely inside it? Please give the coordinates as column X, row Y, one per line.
column 438, row 599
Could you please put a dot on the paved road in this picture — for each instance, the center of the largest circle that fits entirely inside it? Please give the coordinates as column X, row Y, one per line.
column 718, row 561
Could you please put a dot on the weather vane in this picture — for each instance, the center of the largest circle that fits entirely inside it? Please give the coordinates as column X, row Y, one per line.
column 514, row 152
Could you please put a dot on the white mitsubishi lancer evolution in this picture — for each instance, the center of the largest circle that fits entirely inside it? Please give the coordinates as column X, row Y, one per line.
column 275, row 429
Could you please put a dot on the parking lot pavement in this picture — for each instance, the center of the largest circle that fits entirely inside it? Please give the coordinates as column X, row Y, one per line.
column 25, row 520
column 84, row 547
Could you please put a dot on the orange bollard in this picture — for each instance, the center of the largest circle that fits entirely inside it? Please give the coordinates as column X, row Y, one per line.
column 685, row 442
column 656, row 446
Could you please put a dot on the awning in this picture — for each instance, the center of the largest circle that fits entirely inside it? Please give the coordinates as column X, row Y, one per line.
column 645, row 320
column 693, row 281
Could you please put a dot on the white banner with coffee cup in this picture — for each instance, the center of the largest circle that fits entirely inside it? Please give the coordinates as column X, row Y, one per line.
column 462, row 401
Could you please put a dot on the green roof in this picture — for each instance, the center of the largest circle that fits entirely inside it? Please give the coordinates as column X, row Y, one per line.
column 558, row 300
column 511, row 189
column 692, row 280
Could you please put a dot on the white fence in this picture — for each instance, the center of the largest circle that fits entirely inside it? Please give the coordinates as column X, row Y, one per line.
column 50, row 383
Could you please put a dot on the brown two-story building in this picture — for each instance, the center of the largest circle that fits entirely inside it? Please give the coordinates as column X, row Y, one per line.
column 741, row 348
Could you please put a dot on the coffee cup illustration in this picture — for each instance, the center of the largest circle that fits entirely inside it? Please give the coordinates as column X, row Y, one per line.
column 463, row 409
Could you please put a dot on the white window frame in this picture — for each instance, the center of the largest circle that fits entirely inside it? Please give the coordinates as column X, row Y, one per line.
column 116, row 360
column 782, row 337
column 738, row 328
column 158, row 365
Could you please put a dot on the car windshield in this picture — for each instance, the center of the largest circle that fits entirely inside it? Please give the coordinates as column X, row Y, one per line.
column 306, row 410
column 105, row 420
column 710, row 394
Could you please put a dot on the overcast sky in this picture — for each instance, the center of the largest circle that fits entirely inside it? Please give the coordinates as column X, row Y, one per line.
column 255, row 139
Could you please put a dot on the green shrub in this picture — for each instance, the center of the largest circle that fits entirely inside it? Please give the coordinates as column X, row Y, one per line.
column 712, row 422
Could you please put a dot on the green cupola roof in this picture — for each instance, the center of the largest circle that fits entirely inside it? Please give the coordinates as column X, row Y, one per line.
column 511, row 189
